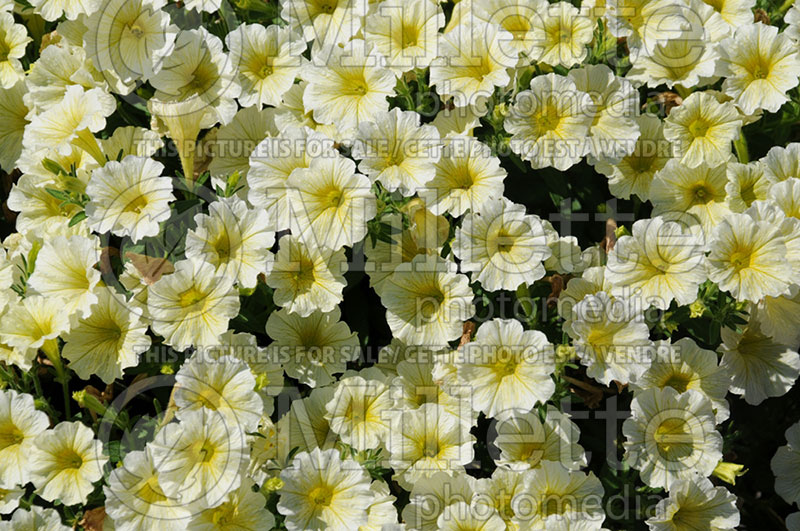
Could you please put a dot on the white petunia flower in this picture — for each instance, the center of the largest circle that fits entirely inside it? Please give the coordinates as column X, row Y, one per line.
column 671, row 436
column 232, row 238
column 395, row 150
column 129, row 198
column 502, row 246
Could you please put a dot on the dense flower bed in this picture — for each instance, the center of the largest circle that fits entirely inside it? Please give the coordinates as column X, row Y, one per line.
column 399, row 264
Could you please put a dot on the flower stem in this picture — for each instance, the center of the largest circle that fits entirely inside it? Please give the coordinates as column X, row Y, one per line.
column 50, row 349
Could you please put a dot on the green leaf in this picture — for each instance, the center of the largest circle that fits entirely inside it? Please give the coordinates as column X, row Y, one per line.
column 77, row 218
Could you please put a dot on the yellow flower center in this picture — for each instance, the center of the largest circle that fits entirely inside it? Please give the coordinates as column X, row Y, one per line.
column 431, row 448
column 740, row 260
column 223, row 248
column 190, row 297
column 760, row 71
column 265, row 71
column 673, row 439
column 10, row 435
column 517, row 25
column 69, row 458
column 548, row 119
column 4, row 51
column 358, row 88
column 678, row 381
column 699, row 128
column 321, row 496
column 304, row 277
column 136, row 31
column 206, row 453
column 151, row 492
column 505, row 242
column 409, row 36
column 430, row 302
column 334, row 197
column 225, row 514
column 136, row 205
column 462, row 178
column 506, row 363
column 701, row 195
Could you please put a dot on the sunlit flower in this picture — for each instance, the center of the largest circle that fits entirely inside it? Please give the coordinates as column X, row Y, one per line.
column 697, row 194
column 748, row 258
column 20, row 424
column 702, row 129
column 552, row 490
column 71, row 122
column 662, row 261
column 428, row 304
column 614, row 129
column 274, row 160
column 610, row 338
column 550, row 122
column 429, row 497
column 53, row 9
column 397, row 151
column 760, row 66
column 231, row 145
column 406, row 33
column 13, row 40
column 36, row 518
column 671, row 436
column 330, row 203
column 268, row 61
column 224, row 385
column 526, row 442
column 759, row 366
column 135, row 500
column 359, row 410
column 346, row 86
column 506, row 367
column 65, row 461
column 461, row 516
column 232, row 238
column 312, row 349
column 129, row 198
column 746, row 183
column 425, row 441
column 560, row 34
column 198, row 69
column 128, row 40
column 192, row 306
column 634, row 173
column 242, row 510
column 65, row 269
column 28, row 323
column 471, row 62
column 327, row 21
column 502, row 246
column 323, row 492
column 199, row 460
column 306, row 279
column 684, row 365
column 695, row 503
column 108, row 340
column 467, row 177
